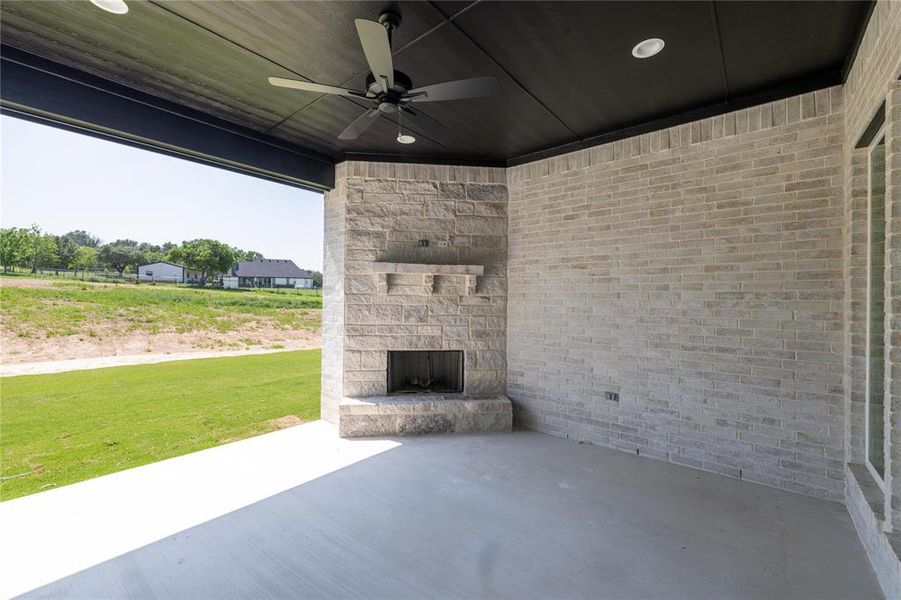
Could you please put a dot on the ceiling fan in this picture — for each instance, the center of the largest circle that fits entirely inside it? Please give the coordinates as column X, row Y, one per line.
column 392, row 92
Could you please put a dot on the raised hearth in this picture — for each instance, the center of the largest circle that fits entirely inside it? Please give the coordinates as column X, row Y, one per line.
column 423, row 413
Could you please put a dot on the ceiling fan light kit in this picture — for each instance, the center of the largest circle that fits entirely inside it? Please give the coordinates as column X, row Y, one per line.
column 117, row 7
column 391, row 92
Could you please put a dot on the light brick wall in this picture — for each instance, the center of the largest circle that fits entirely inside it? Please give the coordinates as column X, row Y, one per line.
column 875, row 70
column 855, row 274
column 877, row 64
column 697, row 271
column 872, row 81
column 385, row 209
column 893, row 298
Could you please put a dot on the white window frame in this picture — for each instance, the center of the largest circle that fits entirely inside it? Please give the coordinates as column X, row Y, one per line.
column 866, row 441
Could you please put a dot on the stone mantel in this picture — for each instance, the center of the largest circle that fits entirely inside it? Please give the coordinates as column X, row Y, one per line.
column 428, row 272
column 426, row 269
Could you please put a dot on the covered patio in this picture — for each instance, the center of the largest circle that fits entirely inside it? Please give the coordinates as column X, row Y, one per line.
column 522, row 515
column 636, row 263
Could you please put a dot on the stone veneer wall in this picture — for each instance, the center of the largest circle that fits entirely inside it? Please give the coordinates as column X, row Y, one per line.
column 334, row 239
column 378, row 212
column 696, row 271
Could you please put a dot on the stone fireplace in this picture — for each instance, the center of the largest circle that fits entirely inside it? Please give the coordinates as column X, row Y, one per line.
column 415, row 284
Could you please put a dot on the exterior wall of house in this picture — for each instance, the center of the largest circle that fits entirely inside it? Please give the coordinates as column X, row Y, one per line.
column 697, row 272
column 379, row 213
column 712, row 274
column 272, row 282
column 872, row 81
column 163, row 272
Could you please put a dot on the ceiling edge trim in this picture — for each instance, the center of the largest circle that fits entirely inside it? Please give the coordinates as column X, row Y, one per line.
column 713, row 110
column 54, row 94
column 862, row 26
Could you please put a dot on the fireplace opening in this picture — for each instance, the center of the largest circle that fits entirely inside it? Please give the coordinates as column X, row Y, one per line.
column 428, row 371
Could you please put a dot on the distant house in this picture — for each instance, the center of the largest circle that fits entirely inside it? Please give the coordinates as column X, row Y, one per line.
column 267, row 273
column 166, row 272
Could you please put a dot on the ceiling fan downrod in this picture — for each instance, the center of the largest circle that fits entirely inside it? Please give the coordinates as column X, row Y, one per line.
column 391, row 21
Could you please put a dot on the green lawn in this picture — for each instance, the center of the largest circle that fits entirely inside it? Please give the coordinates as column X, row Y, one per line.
column 62, row 428
column 70, row 308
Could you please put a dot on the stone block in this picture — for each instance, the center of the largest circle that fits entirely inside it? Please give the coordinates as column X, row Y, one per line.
column 366, row 240
column 418, row 187
column 379, row 185
column 481, row 225
column 490, row 209
column 362, row 284
column 373, row 313
column 486, row 192
column 416, row 314
column 422, row 414
column 451, row 191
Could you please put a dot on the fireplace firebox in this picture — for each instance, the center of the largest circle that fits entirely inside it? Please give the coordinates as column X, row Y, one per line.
column 428, row 371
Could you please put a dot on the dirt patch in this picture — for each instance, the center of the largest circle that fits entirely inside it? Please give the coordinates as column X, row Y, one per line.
column 92, row 320
column 286, row 421
column 110, row 339
column 28, row 282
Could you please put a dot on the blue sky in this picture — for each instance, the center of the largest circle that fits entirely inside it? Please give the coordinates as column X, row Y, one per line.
column 62, row 181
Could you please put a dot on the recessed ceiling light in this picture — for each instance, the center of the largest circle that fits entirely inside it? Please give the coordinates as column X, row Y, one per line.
column 117, row 7
column 405, row 138
column 647, row 48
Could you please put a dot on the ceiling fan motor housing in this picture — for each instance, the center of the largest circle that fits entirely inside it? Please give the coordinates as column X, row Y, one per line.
column 402, row 84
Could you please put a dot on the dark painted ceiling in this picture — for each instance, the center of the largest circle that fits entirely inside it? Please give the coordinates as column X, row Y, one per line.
column 566, row 73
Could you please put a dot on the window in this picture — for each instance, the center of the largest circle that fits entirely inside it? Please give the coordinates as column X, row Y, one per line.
column 875, row 398
column 149, row 273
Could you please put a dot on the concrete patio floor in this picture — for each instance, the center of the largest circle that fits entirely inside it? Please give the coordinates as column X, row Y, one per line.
column 302, row 513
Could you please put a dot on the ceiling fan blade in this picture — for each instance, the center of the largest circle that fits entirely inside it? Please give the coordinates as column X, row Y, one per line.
column 377, row 48
column 360, row 125
column 308, row 86
column 427, row 125
column 477, row 87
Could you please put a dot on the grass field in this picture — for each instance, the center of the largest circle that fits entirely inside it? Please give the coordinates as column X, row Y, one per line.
column 72, row 308
column 62, row 428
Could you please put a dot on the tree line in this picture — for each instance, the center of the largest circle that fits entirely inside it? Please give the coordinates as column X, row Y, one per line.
column 32, row 249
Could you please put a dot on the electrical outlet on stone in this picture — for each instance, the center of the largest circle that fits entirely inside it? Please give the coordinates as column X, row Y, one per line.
column 612, row 396
column 423, row 243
